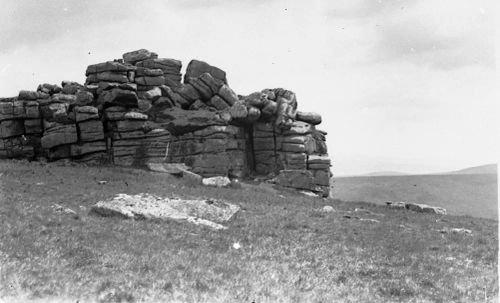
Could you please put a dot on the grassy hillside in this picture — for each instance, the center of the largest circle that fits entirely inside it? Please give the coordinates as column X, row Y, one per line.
column 474, row 194
column 483, row 169
column 290, row 251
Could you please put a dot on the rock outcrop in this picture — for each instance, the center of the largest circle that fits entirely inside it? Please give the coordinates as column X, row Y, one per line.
column 137, row 110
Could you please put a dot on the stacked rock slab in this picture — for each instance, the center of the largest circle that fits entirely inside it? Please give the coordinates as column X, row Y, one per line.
column 205, row 141
column 144, row 78
column 47, row 123
column 284, row 139
column 132, row 141
column 171, row 71
column 203, row 92
column 212, row 151
column 136, row 110
column 59, row 125
column 114, row 82
column 91, row 144
column 299, row 148
column 13, row 142
column 72, row 128
column 152, row 71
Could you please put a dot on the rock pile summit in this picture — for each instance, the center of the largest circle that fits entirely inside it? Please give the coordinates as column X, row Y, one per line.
column 140, row 110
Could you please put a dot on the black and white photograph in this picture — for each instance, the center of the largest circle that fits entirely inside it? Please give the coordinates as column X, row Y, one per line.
column 252, row 151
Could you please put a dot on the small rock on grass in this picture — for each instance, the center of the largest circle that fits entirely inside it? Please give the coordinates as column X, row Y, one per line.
column 64, row 210
column 176, row 169
column 455, row 231
column 236, row 245
column 350, row 217
column 369, row 220
column 170, row 168
column 362, row 210
column 366, row 211
column 422, row 208
column 361, row 219
column 235, row 183
column 309, row 193
column 218, row 181
column 328, row 209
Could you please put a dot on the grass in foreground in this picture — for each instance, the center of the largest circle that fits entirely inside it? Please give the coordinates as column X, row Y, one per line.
column 290, row 250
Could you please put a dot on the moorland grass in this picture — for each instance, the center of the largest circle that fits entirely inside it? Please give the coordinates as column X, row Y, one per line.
column 290, row 251
column 474, row 194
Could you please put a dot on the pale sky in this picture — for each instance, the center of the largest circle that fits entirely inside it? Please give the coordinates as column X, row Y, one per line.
column 402, row 85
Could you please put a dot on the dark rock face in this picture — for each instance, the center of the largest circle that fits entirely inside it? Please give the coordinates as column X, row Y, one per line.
column 138, row 55
column 11, row 128
column 109, row 66
column 171, row 70
column 136, row 111
column 178, row 121
column 188, row 92
column 119, row 97
column 104, row 86
column 213, row 83
column 301, row 179
column 196, row 68
column 84, row 113
column 10, row 110
column 150, row 80
column 91, row 130
column 33, row 126
column 70, row 87
column 78, row 150
column 286, row 111
column 239, row 110
column 28, row 95
column 84, row 98
column 297, row 148
column 108, row 76
column 59, row 135
column 204, row 91
column 49, row 88
column 218, row 103
column 211, row 151
column 311, row 118
column 226, row 93
column 142, row 71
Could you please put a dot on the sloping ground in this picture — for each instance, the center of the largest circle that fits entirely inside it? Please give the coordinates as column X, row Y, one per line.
column 483, row 169
column 280, row 247
column 475, row 195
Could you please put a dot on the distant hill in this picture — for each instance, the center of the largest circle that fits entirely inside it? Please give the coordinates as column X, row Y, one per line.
column 483, row 169
column 476, row 170
column 385, row 173
column 471, row 194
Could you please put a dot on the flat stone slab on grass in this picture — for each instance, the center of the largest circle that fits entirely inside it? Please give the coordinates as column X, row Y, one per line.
column 175, row 169
column 421, row 208
column 169, row 168
column 217, row 181
column 206, row 212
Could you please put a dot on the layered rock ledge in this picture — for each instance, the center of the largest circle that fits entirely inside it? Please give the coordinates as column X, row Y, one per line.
column 140, row 109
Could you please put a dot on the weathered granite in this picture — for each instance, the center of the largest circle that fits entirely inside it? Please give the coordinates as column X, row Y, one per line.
column 136, row 111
